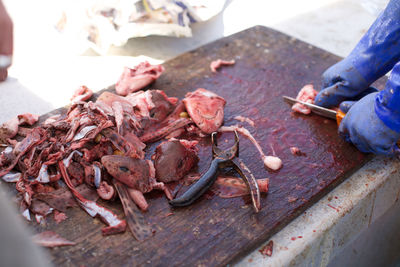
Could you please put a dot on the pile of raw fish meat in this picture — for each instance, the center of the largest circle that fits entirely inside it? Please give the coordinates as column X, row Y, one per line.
column 97, row 149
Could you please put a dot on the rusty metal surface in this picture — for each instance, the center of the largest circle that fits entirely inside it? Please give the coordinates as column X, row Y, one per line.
column 217, row 231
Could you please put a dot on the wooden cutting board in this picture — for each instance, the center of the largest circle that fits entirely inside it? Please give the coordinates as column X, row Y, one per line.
column 217, row 231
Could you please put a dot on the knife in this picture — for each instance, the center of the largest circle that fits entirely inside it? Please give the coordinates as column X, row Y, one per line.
column 331, row 114
column 325, row 112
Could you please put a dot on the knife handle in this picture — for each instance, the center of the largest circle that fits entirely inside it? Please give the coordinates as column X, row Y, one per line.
column 339, row 116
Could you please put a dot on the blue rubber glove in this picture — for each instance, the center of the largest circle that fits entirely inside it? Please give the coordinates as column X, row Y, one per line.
column 362, row 127
column 373, row 57
column 387, row 104
column 373, row 123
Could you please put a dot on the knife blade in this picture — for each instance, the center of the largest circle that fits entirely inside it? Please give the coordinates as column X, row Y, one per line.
column 325, row 112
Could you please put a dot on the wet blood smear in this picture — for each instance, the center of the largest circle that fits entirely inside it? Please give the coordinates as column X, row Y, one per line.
column 314, row 231
column 267, row 249
column 294, row 238
column 300, row 236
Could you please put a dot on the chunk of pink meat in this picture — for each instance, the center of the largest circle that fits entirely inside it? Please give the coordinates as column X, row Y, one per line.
column 151, row 105
column 122, row 110
column 152, row 169
column 138, row 198
column 170, row 126
column 83, row 93
column 218, row 63
column 154, row 104
column 206, row 109
column 106, row 99
column 59, row 216
column 190, row 145
column 137, row 78
column 152, row 136
column 230, row 187
column 27, row 118
column 137, row 147
column 119, row 116
column 295, row 151
column 105, row 191
column 306, row 94
column 163, row 105
column 8, row 130
column 142, row 102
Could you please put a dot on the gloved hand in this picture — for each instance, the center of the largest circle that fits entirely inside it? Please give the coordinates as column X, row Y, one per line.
column 362, row 127
column 373, row 57
column 373, row 123
column 6, row 37
column 342, row 82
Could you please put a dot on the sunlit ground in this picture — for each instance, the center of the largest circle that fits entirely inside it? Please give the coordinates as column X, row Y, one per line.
column 48, row 67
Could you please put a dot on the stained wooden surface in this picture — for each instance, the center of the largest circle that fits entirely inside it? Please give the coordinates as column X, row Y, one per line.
column 217, row 231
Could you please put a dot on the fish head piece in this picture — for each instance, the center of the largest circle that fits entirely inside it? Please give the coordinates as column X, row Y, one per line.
column 132, row 172
column 206, row 109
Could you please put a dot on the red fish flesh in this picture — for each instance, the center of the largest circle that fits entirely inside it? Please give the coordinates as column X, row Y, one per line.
column 306, row 94
column 219, row 62
column 137, row 78
column 206, row 109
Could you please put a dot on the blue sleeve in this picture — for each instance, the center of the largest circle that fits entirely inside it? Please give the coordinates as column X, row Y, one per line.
column 379, row 49
column 387, row 102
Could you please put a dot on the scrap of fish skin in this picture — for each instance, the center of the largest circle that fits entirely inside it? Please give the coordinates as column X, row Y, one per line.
column 51, row 239
column 134, row 218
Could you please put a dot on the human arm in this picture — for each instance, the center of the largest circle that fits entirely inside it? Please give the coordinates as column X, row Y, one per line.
column 374, row 55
